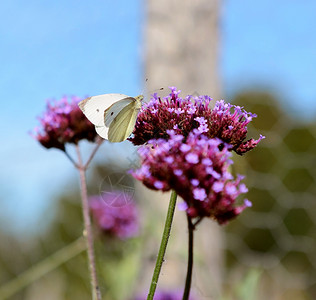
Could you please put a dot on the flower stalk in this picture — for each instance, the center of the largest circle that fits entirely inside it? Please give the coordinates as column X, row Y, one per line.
column 64, row 123
column 163, row 245
column 188, row 279
column 88, row 234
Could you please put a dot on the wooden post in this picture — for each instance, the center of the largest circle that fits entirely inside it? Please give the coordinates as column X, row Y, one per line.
column 181, row 49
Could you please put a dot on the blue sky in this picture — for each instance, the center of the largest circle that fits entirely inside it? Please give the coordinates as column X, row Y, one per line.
column 272, row 44
column 51, row 49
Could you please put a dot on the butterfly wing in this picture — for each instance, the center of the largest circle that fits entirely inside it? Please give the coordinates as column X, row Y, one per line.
column 123, row 124
column 94, row 107
column 102, row 131
column 111, row 113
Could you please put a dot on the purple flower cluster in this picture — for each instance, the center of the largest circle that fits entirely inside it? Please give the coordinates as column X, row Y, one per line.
column 165, row 295
column 196, row 168
column 63, row 122
column 226, row 122
column 115, row 214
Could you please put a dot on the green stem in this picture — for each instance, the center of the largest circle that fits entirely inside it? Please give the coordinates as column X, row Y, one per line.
column 163, row 245
column 40, row 269
column 188, row 279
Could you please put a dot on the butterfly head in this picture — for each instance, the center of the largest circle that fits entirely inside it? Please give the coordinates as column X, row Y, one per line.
column 139, row 98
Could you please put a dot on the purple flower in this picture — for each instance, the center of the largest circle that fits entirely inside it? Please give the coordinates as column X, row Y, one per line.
column 165, row 295
column 199, row 176
column 158, row 185
column 195, row 182
column 231, row 127
column 203, row 124
column 226, row 122
column 115, row 214
column 63, row 122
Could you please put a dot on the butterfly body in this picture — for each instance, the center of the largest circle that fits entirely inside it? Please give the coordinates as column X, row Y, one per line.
column 114, row 115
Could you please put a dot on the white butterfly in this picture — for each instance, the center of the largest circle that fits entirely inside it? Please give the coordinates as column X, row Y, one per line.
column 114, row 115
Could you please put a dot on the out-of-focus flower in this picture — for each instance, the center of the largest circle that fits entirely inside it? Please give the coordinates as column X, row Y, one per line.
column 227, row 122
column 196, row 168
column 63, row 122
column 166, row 295
column 115, row 214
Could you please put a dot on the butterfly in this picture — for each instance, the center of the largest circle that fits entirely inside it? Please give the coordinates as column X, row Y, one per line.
column 114, row 115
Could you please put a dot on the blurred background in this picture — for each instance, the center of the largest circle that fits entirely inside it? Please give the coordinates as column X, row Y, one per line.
column 257, row 54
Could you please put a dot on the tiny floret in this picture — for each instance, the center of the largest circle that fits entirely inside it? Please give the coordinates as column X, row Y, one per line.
column 185, row 148
column 199, row 194
column 192, row 158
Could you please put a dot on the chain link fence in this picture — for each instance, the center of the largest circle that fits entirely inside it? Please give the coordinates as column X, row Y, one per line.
column 277, row 234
